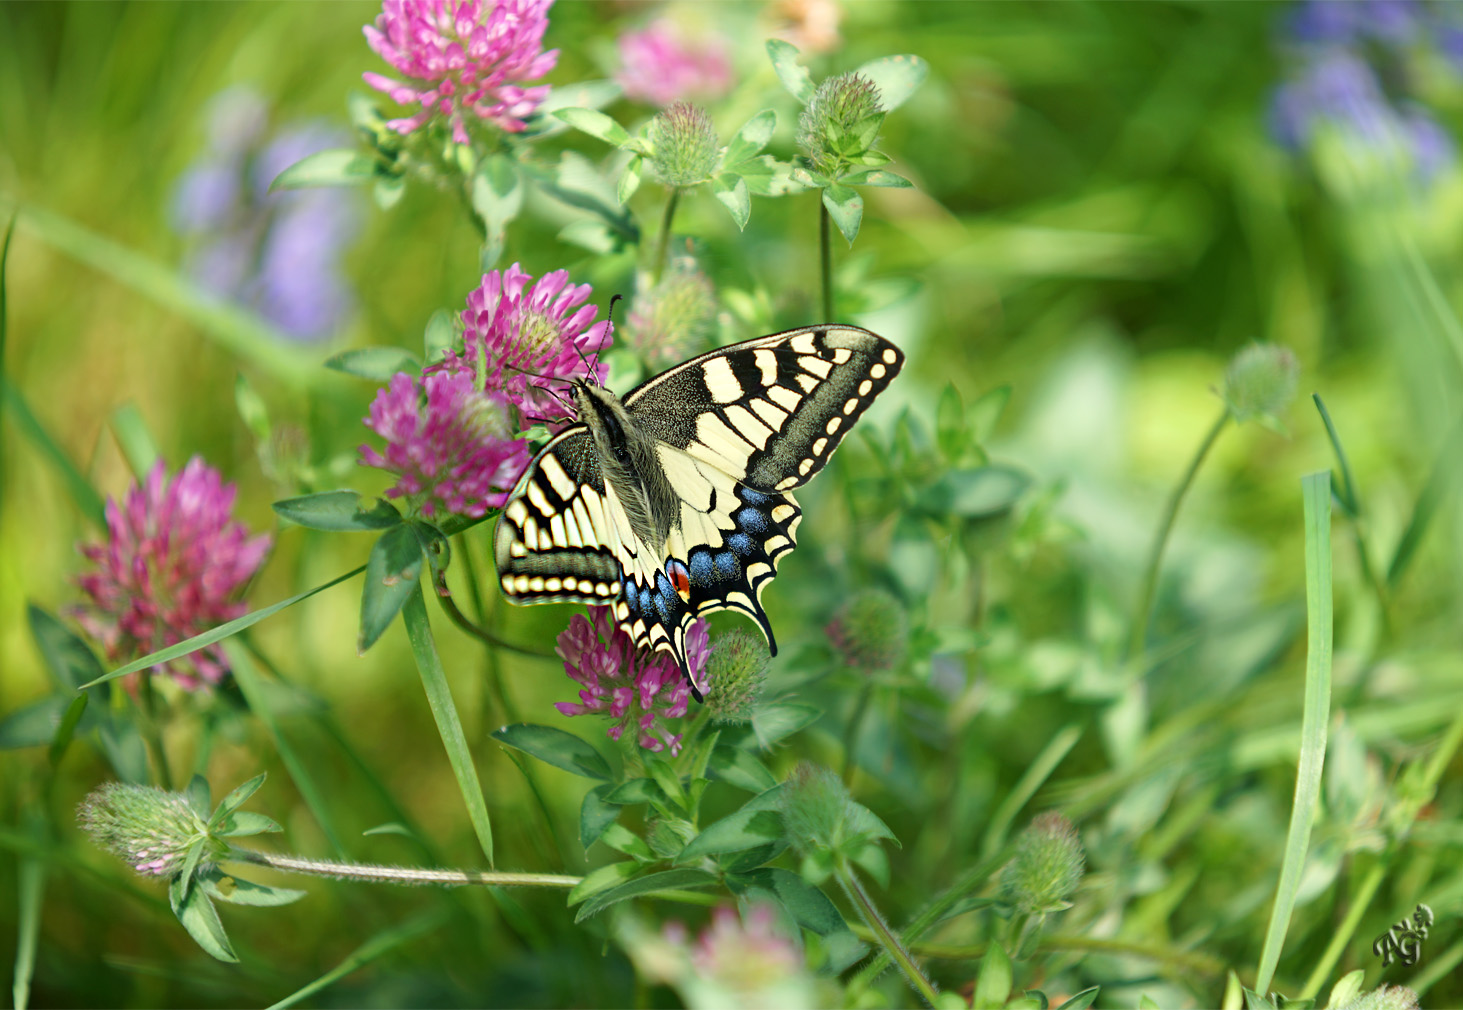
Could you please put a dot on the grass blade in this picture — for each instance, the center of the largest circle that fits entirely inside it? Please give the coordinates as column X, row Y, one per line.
column 82, row 493
column 1316, row 491
column 444, row 711
column 31, row 885
column 381, row 943
column 219, row 633
column 1041, row 769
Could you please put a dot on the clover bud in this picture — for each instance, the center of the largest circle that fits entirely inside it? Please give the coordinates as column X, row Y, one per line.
column 736, row 670
column 871, row 631
column 149, row 828
column 1260, row 382
column 1044, row 873
column 1387, row 997
column 684, row 144
column 840, row 122
column 815, row 806
column 673, row 318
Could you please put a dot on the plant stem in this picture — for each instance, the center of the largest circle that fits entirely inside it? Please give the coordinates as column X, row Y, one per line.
column 340, row 870
column 1343, row 934
column 663, row 245
column 851, row 734
column 1165, row 526
column 887, row 939
column 450, row 608
column 151, row 732
column 825, row 260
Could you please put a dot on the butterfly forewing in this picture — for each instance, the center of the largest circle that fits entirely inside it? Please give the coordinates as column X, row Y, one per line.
column 734, row 431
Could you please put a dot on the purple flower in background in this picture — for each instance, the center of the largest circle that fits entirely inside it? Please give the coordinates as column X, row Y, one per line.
column 463, row 58
column 277, row 253
column 1350, row 22
column 449, row 443
column 171, row 567
column 629, row 685
column 661, row 64
column 525, row 341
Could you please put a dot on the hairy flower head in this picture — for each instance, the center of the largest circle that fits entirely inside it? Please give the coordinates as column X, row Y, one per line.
column 684, row 143
column 149, row 828
column 171, row 567
column 450, row 444
column 735, row 674
column 1044, row 873
column 1260, row 381
column 462, row 60
column 836, row 125
column 870, row 631
column 672, row 320
column 631, row 686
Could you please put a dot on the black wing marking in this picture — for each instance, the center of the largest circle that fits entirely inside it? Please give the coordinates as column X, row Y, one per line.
column 769, row 411
column 554, row 541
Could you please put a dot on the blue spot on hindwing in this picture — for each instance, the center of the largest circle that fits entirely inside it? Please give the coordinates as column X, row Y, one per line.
column 665, row 594
column 755, row 498
column 751, row 519
column 726, row 565
column 701, row 567
column 740, row 542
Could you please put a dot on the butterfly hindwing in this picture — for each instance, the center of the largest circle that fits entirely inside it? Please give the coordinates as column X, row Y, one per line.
column 769, row 411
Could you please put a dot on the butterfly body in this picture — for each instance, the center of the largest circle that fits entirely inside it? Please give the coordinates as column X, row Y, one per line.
column 676, row 501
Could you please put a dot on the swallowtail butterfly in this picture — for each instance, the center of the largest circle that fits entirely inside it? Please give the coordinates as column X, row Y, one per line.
column 677, row 500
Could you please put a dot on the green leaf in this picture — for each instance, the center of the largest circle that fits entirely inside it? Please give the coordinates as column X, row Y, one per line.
column 758, row 822
column 219, row 633
column 739, row 768
column 1347, row 988
column 846, row 208
column 810, row 907
column 341, row 166
column 621, row 839
column 993, row 984
column 497, row 192
column 236, row 799
column 83, row 495
column 378, row 364
column 137, row 444
column 630, row 179
column 582, row 94
column 986, row 411
column 246, row 822
column 393, row 573
column 440, row 334
column 596, row 814
column 755, row 134
column 779, row 720
column 67, row 729
column 975, row 493
column 222, row 887
column 596, row 124
column 35, row 724
column 950, row 424
column 70, row 661
column 1082, row 1000
column 555, row 747
column 337, row 511
column 200, row 919
column 603, row 879
column 200, row 797
column 766, row 176
column 444, row 713
column 794, row 78
column 667, row 880
column 731, row 191
column 251, row 408
column 875, row 177
column 896, row 77
column 636, row 791
column 392, row 828
column 388, row 191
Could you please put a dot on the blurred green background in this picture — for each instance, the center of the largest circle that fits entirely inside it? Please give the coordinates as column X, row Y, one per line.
column 1100, row 220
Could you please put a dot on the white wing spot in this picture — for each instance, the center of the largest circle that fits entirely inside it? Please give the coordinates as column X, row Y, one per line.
column 554, row 471
column 571, row 528
column 747, row 425
column 507, row 583
column 757, row 570
column 775, row 544
column 545, row 542
column 767, row 363
column 851, row 405
column 520, row 584
column 890, row 356
column 784, row 397
column 539, row 499
column 818, row 446
column 865, row 386
column 720, row 381
column 842, row 354
column 805, row 466
column 517, row 550
column 774, row 416
column 571, row 584
column 877, row 371
column 712, row 432
column 781, row 512
column 556, row 530
column 803, row 344
column 517, row 511
column 600, row 589
column 807, row 382
column 833, row 423
column 536, row 583
column 553, row 583
column 787, row 483
column 817, row 366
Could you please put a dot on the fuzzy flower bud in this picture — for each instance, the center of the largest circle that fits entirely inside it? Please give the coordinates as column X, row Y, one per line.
column 1260, row 381
column 672, row 320
column 1387, row 997
column 1047, row 867
column 838, row 124
column 684, row 142
column 736, row 671
column 815, row 806
column 871, row 631
column 149, row 828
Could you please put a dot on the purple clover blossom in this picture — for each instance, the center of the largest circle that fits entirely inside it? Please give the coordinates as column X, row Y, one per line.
column 526, row 341
column 662, row 64
column 448, row 442
column 171, row 567
column 1352, row 22
column 278, row 253
column 463, row 58
column 629, row 685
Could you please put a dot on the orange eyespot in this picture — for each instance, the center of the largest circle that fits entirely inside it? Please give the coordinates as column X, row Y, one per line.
column 680, row 579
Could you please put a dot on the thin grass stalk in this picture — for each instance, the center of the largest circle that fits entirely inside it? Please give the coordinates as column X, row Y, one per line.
column 1316, row 493
column 1031, row 780
column 825, row 261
